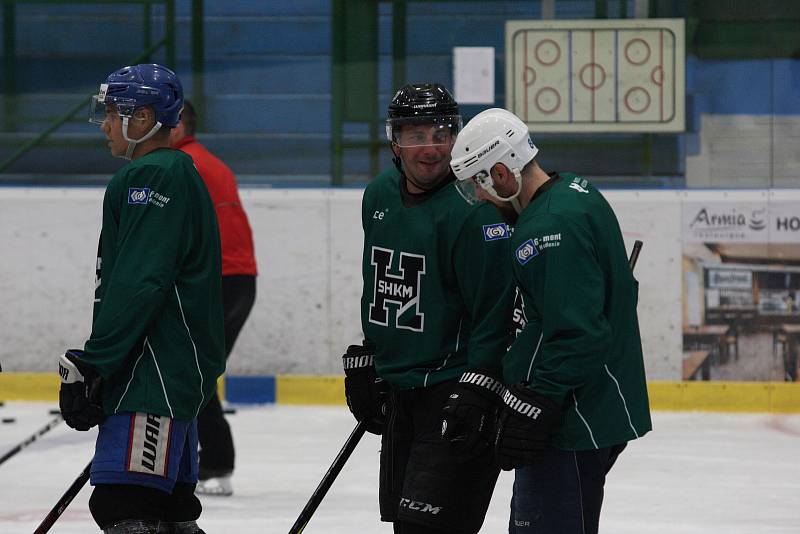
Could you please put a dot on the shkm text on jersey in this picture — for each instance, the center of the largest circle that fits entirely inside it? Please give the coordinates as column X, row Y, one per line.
column 403, row 289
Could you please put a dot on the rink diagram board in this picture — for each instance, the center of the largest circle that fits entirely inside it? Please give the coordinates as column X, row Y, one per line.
column 597, row 75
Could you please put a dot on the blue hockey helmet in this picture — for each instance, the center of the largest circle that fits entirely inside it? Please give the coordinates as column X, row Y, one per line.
column 148, row 84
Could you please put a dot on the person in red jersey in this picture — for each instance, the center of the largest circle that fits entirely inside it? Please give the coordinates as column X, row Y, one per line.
column 238, row 294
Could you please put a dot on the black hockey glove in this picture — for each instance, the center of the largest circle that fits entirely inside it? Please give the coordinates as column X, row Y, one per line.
column 79, row 399
column 524, row 427
column 365, row 391
column 470, row 412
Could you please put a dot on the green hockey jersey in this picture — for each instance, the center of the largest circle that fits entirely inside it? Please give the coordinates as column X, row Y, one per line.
column 157, row 331
column 437, row 292
column 580, row 343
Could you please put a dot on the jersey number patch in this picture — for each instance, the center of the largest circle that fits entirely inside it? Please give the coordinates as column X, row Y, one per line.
column 403, row 290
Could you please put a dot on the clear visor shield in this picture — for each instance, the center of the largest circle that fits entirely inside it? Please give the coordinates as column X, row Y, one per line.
column 100, row 107
column 472, row 189
column 423, row 131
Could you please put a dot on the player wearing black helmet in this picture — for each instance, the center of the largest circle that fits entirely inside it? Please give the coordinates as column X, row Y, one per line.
column 422, row 125
column 435, row 308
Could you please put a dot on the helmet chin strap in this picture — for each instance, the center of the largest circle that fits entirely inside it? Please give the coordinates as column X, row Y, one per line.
column 133, row 142
column 513, row 199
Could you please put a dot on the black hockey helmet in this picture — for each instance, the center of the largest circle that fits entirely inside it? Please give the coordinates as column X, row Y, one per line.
column 422, row 103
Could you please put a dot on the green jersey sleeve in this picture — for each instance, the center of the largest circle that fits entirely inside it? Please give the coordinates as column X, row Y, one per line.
column 484, row 277
column 145, row 219
column 556, row 261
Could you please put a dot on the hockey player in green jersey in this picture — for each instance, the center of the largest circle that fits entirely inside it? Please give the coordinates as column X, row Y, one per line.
column 156, row 347
column 575, row 374
column 435, row 312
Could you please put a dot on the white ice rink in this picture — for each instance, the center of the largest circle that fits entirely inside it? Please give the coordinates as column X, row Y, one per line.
column 695, row 473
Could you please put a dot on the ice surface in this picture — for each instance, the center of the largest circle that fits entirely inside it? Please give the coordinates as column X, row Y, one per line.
column 695, row 473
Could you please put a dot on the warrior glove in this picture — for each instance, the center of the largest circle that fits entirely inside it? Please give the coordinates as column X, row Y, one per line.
column 365, row 391
column 524, row 427
column 470, row 412
column 79, row 398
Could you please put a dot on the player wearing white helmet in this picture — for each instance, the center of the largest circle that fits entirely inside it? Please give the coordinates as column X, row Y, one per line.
column 495, row 136
column 576, row 384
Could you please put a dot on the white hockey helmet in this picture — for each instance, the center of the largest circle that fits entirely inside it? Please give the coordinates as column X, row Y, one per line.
column 492, row 136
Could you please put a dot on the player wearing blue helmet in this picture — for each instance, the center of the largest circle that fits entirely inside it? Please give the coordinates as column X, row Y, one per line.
column 133, row 94
column 157, row 344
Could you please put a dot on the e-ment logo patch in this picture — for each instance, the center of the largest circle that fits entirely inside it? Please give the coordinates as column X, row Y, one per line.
column 157, row 199
column 492, row 232
column 526, row 252
column 548, row 241
column 138, row 195
column 143, row 195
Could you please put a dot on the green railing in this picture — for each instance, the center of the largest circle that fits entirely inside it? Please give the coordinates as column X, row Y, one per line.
column 167, row 43
column 354, row 62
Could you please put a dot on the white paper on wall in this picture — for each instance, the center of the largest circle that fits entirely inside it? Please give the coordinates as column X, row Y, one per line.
column 473, row 74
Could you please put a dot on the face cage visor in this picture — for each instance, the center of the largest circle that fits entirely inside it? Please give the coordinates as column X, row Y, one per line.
column 472, row 189
column 100, row 106
column 408, row 132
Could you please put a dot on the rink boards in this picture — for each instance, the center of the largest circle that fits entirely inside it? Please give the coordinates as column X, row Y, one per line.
column 308, row 246
column 775, row 397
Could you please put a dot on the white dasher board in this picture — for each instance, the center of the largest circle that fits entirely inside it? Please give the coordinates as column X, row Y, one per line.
column 597, row 75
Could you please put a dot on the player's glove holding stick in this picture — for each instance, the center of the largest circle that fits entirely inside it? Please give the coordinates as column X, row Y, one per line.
column 80, row 396
column 524, row 427
column 366, row 392
column 470, row 412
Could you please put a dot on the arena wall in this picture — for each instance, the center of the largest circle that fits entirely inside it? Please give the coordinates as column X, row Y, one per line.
column 308, row 245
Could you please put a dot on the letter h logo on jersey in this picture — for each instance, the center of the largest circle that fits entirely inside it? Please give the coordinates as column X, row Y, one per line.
column 403, row 290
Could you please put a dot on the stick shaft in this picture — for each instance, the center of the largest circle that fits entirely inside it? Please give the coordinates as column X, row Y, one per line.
column 327, row 480
column 637, row 247
column 64, row 501
column 52, row 424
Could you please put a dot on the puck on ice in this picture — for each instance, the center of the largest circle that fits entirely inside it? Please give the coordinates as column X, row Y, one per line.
column 9, row 419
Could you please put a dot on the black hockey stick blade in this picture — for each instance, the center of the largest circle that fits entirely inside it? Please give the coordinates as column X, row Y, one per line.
column 64, row 501
column 637, row 247
column 327, row 480
column 49, row 426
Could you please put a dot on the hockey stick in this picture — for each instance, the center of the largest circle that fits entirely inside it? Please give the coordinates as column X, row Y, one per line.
column 327, row 480
column 637, row 247
column 64, row 501
column 49, row 426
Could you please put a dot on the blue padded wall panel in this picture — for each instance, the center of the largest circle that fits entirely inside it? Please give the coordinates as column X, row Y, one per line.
column 250, row 389
column 268, row 35
column 298, row 8
column 300, row 114
column 287, row 75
